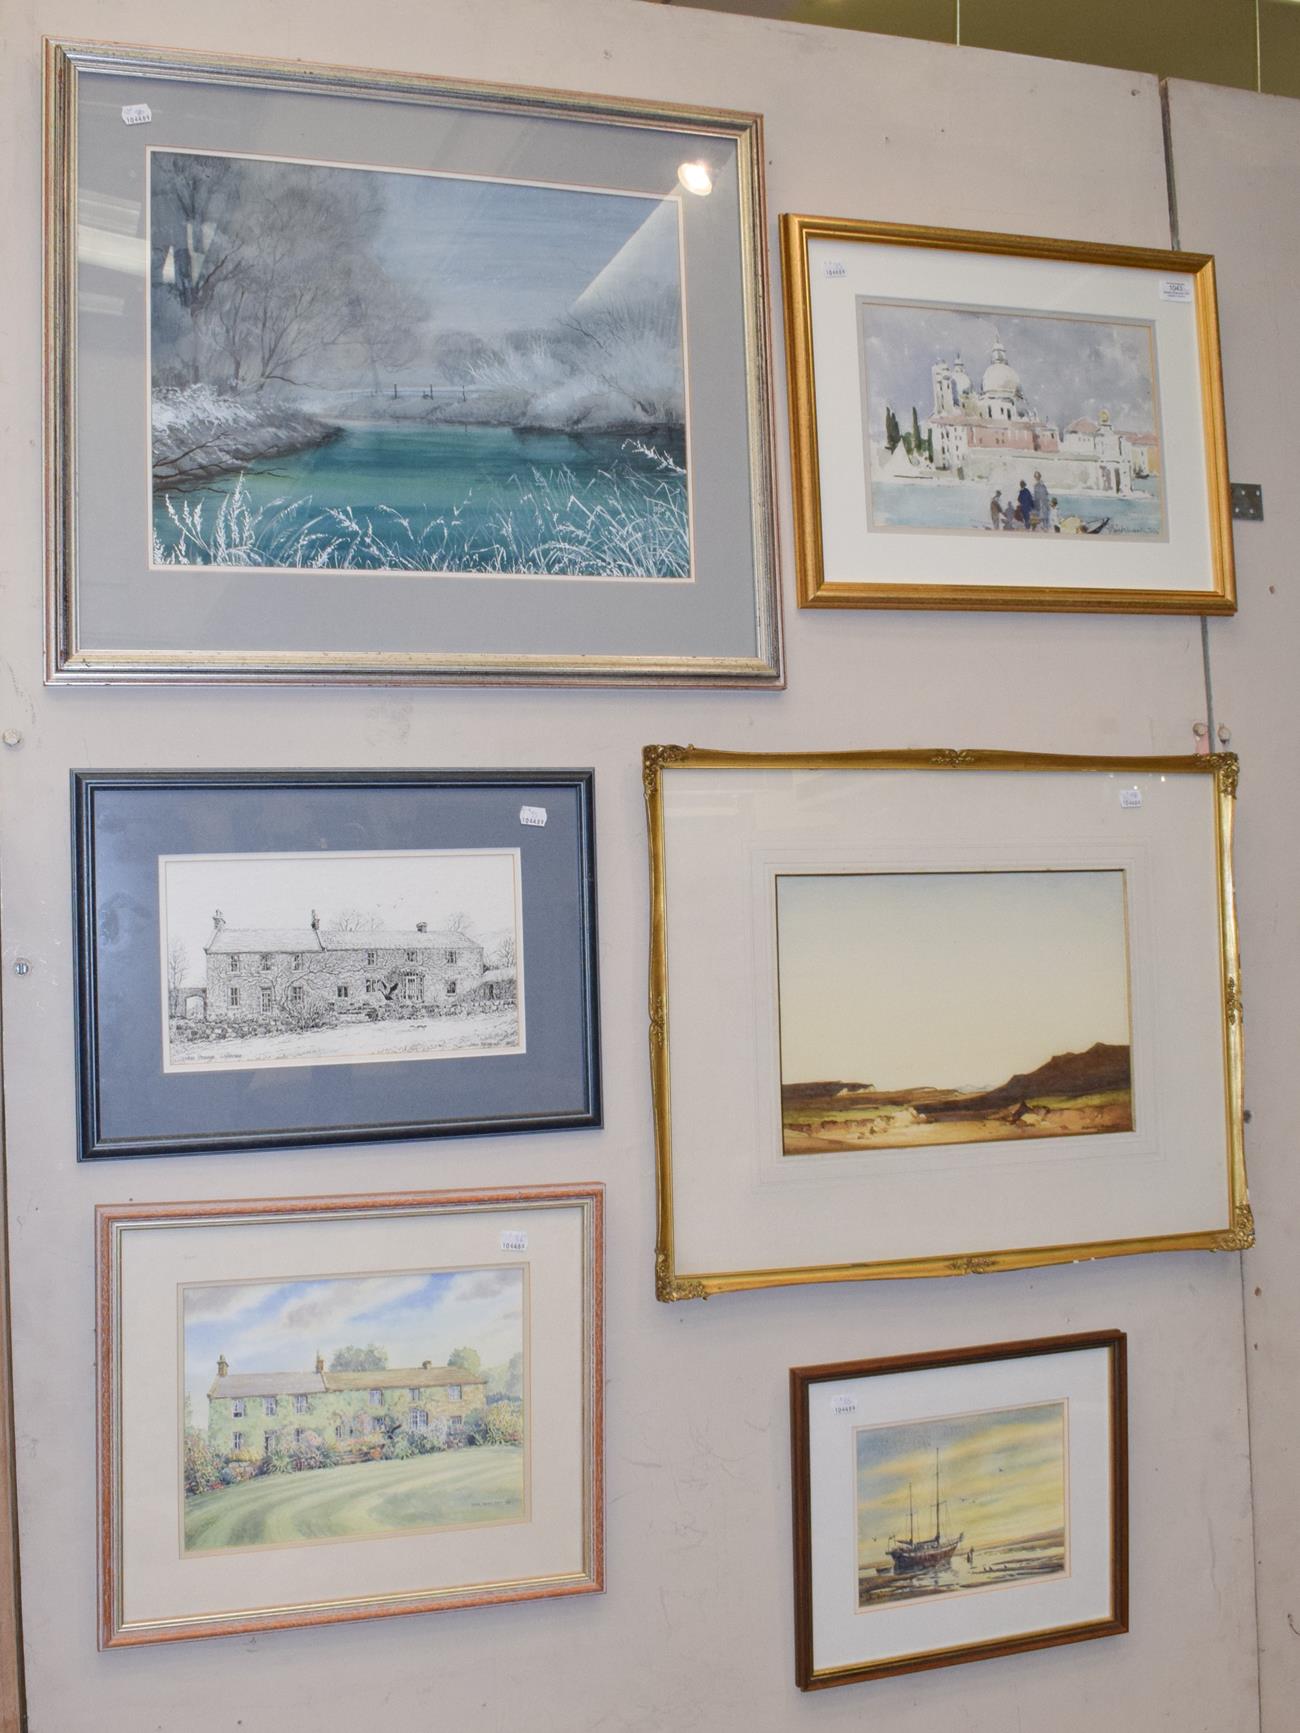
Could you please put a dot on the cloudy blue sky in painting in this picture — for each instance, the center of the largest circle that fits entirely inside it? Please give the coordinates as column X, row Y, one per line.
column 416, row 1315
column 1068, row 367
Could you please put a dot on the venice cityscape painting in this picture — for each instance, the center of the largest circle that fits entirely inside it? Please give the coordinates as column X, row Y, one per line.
column 353, row 1407
column 414, row 372
column 951, row 1007
column 968, row 1501
column 993, row 420
column 339, row 957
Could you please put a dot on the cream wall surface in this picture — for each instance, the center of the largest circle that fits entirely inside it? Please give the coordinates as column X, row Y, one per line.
column 1238, row 166
column 695, row 1630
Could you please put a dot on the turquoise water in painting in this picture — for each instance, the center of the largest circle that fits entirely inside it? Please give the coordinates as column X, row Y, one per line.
column 964, row 505
column 445, row 499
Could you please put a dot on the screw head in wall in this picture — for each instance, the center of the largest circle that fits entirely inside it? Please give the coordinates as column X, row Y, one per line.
column 22, row 966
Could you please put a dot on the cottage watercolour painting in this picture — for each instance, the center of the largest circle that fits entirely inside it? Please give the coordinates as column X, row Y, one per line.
column 352, row 1407
column 339, row 957
column 385, row 370
column 1003, row 420
column 929, row 1008
column 961, row 1503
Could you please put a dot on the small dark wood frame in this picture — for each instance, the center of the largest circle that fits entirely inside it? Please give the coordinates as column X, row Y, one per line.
column 803, row 1377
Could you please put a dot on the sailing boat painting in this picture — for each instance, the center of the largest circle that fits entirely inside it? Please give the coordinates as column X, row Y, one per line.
column 967, row 1501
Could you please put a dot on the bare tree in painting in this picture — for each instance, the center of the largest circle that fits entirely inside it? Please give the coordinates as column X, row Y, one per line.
column 178, row 963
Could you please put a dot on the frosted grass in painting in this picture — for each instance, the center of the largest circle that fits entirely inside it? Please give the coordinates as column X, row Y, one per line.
column 970, row 1501
column 980, row 420
column 946, row 1008
column 378, row 371
column 352, row 1407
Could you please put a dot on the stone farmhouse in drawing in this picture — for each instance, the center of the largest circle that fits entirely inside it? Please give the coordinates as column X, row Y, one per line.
column 258, row 1412
column 255, row 973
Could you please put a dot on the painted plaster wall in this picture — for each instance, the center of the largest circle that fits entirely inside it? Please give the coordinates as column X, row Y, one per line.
column 695, row 1630
column 1238, row 183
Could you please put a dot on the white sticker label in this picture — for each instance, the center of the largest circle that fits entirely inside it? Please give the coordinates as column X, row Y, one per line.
column 137, row 114
column 1130, row 797
column 835, row 268
column 1175, row 289
column 843, row 1405
column 514, row 1240
column 532, row 815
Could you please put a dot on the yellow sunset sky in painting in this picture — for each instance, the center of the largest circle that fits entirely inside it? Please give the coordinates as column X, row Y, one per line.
column 1002, row 1476
column 947, row 980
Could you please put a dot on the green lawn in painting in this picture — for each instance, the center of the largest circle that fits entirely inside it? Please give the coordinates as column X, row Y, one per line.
column 449, row 1489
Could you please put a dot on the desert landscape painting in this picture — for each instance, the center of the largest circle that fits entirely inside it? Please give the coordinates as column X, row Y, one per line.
column 947, row 1008
column 961, row 1502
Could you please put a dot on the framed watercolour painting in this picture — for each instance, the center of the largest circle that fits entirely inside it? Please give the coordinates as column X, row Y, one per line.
column 369, row 377
column 984, row 1011
column 337, row 1408
column 959, row 1505
column 1003, row 421
column 291, row 957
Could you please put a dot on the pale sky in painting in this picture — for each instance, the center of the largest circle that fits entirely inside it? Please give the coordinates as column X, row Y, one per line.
column 1002, row 1477
column 1068, row 367
column 952, row 980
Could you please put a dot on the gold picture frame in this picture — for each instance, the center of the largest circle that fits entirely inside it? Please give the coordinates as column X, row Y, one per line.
column 923, row 545
column 718, row 1178
column 483, row 1484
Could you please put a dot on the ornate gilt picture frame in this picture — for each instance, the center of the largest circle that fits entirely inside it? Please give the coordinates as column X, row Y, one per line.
column 984, row 1012
column 1004, row 421
column 327, row 1409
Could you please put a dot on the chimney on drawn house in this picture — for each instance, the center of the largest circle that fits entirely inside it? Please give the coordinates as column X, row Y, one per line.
column 422, row 926
column 223, row 1365
column 218, row 921
column 320, row 1363
column 315, row 922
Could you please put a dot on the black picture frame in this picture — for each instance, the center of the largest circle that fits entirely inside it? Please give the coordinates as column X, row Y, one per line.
column 131, row 1102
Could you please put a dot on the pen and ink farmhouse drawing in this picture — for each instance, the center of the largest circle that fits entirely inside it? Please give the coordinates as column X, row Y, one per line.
column 256, row 972
column 366, row 979
column 1052, row 426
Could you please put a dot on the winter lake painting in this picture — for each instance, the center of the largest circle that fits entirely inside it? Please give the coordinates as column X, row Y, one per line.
column 980, row 419
column 349, row 1407
column 340, row 958
column 961, row 1502
column 949, row 1008
column 411, row 372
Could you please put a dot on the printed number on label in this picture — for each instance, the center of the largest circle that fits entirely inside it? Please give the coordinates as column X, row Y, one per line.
column 514, row 1240
column 1130, row 797
column 136, row 114
column 843, row 1405
column 532, row 815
